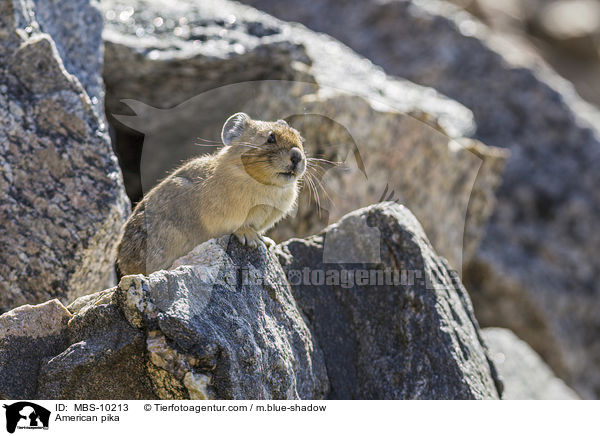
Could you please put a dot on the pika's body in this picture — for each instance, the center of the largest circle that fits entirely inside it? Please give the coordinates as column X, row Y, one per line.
column 243, row 189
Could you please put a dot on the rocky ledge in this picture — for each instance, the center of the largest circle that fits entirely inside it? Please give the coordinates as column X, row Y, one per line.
column 389, row 319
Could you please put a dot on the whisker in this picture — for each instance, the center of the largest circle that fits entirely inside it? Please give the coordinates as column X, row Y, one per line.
column 317, row 168
column 326, row 166
column 315, row 193
column 325, row 192
column 313, row 172
column 308, row 185
column 313, row 159
column 320, row 171
column 208, row 140
column 325, row 169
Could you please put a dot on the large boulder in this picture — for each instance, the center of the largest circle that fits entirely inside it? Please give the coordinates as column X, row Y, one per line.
column 62, row 200
column 229, row 322
column 183, row 67
column 524, row 375
column 199, row 331
column 536, row 269
column 391, row 316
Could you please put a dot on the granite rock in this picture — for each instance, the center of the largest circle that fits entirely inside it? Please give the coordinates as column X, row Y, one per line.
column 199, row 331
column 62, row 201
column 392, row 318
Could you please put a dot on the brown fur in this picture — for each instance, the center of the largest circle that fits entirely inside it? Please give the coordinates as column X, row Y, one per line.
column 240, row 189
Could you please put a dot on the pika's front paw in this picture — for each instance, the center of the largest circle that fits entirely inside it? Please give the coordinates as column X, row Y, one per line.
column 247, row 236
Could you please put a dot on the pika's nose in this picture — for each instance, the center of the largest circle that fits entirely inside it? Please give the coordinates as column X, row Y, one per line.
column 295, row 156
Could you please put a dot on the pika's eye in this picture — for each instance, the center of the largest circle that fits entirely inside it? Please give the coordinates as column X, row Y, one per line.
column 271, row 139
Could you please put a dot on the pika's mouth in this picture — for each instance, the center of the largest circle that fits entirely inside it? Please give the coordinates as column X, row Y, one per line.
column 287, row 174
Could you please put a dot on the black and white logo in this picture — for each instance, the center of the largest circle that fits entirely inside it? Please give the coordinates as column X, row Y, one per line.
column 26, row 415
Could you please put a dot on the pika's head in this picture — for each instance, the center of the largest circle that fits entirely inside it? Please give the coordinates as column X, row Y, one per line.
column 270, row 151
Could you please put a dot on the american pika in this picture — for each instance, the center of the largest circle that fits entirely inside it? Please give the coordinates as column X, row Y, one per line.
column 243, row 189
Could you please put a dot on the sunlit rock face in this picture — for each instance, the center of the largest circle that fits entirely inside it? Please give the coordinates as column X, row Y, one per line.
column 62, row 201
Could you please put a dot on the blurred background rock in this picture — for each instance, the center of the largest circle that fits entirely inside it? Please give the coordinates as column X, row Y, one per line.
column 565, row 33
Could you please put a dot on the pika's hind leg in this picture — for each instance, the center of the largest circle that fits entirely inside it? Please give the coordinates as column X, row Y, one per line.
column 131, row 253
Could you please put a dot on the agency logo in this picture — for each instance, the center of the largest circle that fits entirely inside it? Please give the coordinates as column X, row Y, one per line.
column 26, row 415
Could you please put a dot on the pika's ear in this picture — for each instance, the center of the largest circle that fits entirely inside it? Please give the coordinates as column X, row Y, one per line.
column 283, row 123
column 233, row 127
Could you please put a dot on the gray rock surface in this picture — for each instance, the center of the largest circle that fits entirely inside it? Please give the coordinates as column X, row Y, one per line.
column 67, row 21
column 410, row 335
column 524, row 374
column 28, row 334
column 202, row 330
column 62, row 200
column 536, row 269
column 104, row 357
column 228, row 322
column 216, row 332
column 185, row 67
